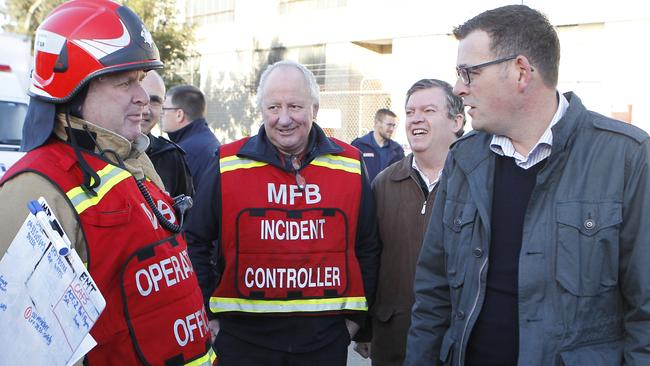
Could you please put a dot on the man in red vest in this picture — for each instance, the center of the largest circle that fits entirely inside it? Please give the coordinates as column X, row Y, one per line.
column 86, row 157
column 294, row 219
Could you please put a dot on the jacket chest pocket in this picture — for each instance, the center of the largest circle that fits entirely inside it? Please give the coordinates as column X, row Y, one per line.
column 119, row 214
column 458, row 219
column 587, row 246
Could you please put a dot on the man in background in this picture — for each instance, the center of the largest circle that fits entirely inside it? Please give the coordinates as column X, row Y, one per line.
column 184, row 121
column 379, row 151
column 167, row 157
column 404, row 193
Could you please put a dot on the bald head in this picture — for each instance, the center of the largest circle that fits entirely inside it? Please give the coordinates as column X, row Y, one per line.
column 154, row 85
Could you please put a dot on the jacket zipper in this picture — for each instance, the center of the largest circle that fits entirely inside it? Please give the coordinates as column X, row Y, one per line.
column 426, row 196
column 469, row 316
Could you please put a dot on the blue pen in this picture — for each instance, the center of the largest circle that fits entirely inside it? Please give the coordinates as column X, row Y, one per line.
column 57, row 240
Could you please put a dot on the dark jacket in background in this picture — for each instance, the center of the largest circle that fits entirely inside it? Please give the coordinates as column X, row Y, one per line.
column 200, row 145
column 294, row 334
column 403, row 211
column 370, row 150
column 169, row 161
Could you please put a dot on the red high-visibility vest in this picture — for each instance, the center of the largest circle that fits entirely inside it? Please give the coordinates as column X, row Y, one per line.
column 154, row 309
column 289, row 250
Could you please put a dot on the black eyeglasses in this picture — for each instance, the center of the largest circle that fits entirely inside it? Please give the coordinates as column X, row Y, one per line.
column 463, row 72
column 300, row 180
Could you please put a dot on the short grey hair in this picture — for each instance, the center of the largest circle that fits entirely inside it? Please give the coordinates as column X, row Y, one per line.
column 314, row 89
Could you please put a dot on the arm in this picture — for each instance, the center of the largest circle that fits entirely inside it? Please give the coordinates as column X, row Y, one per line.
column 172, row 169
column 367, row 250
column 431, row 312
column 400, row 153
column 634, row 258
column 19, row 190
column 202, row 230
column 184, row 184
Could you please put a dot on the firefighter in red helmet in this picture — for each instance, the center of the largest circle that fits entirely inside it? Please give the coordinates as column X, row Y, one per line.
column 85, row 155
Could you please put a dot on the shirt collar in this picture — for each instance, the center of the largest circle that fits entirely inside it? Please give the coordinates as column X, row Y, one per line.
column 503, row 146
column 430, row 185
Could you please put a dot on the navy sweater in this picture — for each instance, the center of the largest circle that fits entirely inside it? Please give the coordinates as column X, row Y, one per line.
column 495, row 336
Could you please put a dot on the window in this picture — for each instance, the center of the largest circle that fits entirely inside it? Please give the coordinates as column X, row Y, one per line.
column 205, row 12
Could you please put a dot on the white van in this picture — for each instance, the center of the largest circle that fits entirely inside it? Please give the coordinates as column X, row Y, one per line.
column 14, row 64
column 13, row 108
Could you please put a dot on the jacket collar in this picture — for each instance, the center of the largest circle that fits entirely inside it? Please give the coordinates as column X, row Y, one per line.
column 403, row 169
column 193, row 128
column 472, row 154
column 567, row 125
column 158, row 145
column 369, row 139
column 108, row 145
column 260, row 148
column 102, row 139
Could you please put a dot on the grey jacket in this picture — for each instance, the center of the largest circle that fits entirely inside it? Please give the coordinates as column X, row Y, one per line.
column 584, row 277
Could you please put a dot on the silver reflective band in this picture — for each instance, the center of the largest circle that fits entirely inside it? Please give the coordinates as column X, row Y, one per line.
column 223, row 304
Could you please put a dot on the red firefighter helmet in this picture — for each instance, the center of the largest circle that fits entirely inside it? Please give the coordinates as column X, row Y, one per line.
column 83, row 39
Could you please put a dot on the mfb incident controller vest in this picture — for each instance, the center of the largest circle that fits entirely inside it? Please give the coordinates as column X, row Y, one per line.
column 154, row 309
column 289, row 249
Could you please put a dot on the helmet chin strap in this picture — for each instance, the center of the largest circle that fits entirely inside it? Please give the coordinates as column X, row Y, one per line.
column 91, row 178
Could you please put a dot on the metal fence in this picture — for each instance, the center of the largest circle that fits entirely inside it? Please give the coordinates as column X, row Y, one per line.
column 357, row 108
column 355, row 97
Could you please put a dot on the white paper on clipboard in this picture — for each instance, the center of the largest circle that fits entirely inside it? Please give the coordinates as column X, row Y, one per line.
column 48, row 302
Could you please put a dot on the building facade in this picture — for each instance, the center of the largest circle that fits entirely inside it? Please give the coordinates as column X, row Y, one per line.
column 366, row 53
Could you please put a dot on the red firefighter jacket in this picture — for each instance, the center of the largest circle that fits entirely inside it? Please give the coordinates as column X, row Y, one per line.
column 154, row 313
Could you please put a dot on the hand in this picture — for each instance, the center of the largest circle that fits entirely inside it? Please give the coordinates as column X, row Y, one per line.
column 213, row 326
column 353, row 327
column 362, row 348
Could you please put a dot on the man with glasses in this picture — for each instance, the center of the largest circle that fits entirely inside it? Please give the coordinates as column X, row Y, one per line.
column 184, row 121
column 537, row 250
column 294, row 218
column 379, row 151
column 167, row 157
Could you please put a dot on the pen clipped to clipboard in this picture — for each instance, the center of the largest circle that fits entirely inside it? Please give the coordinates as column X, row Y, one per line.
column 50, row 225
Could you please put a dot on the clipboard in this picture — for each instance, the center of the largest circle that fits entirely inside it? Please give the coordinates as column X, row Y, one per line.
column 48, row 300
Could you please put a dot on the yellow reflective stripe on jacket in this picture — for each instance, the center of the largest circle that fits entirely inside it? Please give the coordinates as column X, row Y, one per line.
column 223, row 304
column 205, row 360
column 338, row 162
column 110, row 175
column 234, row 162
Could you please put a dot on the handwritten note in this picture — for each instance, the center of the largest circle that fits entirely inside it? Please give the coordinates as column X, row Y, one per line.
column 48, row 302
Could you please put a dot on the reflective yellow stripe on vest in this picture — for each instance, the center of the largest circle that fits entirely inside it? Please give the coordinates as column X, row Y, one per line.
column 205, row 360
column 230, row 163
column 223, row 304
column 338, row 162
column 110, row 176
